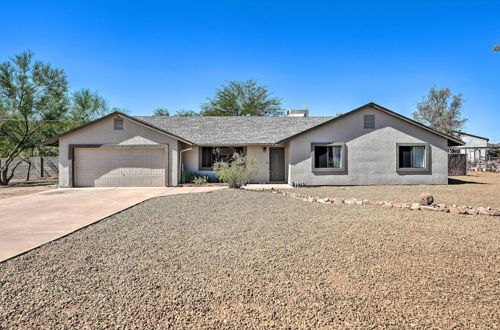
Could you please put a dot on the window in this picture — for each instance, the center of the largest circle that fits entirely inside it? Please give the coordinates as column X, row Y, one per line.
column 118, row 124
column 412, row 157
column 369, row 121
column 328, row 157
column 212, row 155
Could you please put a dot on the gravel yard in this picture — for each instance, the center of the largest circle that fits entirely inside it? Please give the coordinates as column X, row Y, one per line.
column 20, row 187
column 479, row 189
column 255, row 259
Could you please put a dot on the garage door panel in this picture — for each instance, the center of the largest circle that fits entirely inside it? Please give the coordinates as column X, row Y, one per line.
column 119, row 167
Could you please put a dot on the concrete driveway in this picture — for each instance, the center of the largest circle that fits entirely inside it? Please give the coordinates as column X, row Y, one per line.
column 29, row 221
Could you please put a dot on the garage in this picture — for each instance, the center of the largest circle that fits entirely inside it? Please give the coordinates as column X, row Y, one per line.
column 119, row 167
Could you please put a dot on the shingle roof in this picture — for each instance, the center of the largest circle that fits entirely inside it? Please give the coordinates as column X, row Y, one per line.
column 242, row 130
column 234, row 130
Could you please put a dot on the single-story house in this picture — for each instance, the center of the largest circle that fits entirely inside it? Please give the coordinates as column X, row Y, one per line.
column 370, row 145
column 475, row 147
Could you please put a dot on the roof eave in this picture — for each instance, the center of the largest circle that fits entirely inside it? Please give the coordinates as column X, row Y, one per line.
column 476, row 136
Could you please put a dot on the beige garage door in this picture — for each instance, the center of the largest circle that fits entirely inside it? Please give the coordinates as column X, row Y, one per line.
column 99, row 167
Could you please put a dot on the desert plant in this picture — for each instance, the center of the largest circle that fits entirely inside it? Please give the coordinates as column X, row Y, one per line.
column 200, row 179
column 238, row 172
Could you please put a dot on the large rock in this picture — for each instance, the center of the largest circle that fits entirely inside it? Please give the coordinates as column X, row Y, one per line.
column 426, row 199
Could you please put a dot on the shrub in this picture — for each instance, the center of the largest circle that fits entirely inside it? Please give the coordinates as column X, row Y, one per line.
column 200, row 179
column 238, row 172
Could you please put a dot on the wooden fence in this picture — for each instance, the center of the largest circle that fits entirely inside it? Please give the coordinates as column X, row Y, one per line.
column 457, row 164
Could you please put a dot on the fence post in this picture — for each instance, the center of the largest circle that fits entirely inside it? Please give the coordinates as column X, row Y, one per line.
column 41, row 167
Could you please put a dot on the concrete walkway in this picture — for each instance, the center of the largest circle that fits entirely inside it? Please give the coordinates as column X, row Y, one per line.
column 29, row 221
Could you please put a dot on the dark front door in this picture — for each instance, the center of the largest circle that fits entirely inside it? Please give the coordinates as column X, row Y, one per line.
column 277, row 164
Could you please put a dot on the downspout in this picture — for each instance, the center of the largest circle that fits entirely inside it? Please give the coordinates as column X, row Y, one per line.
column 182, row 164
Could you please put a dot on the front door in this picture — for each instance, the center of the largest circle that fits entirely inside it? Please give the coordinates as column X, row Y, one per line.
column 277, row 164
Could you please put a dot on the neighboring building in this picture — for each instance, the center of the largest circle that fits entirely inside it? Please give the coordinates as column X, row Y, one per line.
column 475, row 147
column 366, row 146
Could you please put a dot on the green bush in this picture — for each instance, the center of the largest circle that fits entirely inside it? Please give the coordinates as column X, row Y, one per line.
column 237, row 173
column 200, row 179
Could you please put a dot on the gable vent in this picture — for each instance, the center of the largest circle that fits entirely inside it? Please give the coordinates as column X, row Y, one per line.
column 369, row 121
column 118, row 124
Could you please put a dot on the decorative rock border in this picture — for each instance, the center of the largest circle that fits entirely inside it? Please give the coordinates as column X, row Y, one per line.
column 454, row 209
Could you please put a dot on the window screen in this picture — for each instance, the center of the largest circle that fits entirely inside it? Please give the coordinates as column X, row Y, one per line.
column 411, row 157
column 369, row 121
column 212, row 155
column 327, row 156
column 206, row 157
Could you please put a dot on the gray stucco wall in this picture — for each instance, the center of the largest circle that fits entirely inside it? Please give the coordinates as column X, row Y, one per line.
column 102, row 133
column 370, row 153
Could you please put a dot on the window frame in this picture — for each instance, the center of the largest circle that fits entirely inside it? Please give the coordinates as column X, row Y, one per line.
column 200, row 155
column 364, row 121
column 115, row 121
column 427, row 154
column 342, row 167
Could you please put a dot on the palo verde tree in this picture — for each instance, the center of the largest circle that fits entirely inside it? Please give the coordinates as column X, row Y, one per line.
column 86, row 105
column 161, row 112
column 243, row 98
column 186, row 113
column 441, row 111
column 32, row 96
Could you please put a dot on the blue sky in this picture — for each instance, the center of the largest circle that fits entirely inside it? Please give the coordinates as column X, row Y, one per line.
column 332, row 56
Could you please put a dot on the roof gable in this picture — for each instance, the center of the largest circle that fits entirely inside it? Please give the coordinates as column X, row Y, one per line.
column 451, row 139
column 54, row 141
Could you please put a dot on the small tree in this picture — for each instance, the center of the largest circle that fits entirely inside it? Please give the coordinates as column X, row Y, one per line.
column 161, row 112
column 86, row 105
column 439, row 112
column 243, row 98
column 186, row 113
column 32, row 103
column 237, row 173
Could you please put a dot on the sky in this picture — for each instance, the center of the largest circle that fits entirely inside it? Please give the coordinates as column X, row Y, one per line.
column 330, row 56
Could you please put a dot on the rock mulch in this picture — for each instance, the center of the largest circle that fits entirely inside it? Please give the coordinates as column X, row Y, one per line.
column 477, row 189
column 242, row 259
column 426, row 203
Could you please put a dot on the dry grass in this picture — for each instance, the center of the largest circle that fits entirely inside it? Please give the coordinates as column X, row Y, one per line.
column 476, row 189
column 245, row 259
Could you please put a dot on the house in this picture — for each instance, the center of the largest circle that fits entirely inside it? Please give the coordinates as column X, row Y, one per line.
column 366, row 146
column 475, row 147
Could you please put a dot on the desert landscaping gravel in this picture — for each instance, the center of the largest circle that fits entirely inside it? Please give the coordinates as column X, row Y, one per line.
column 478, row 189
column 20, row 187
column 246, row 259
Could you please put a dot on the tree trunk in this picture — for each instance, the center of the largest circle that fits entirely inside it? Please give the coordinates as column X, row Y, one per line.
column 29, row 170
column 3, row 176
